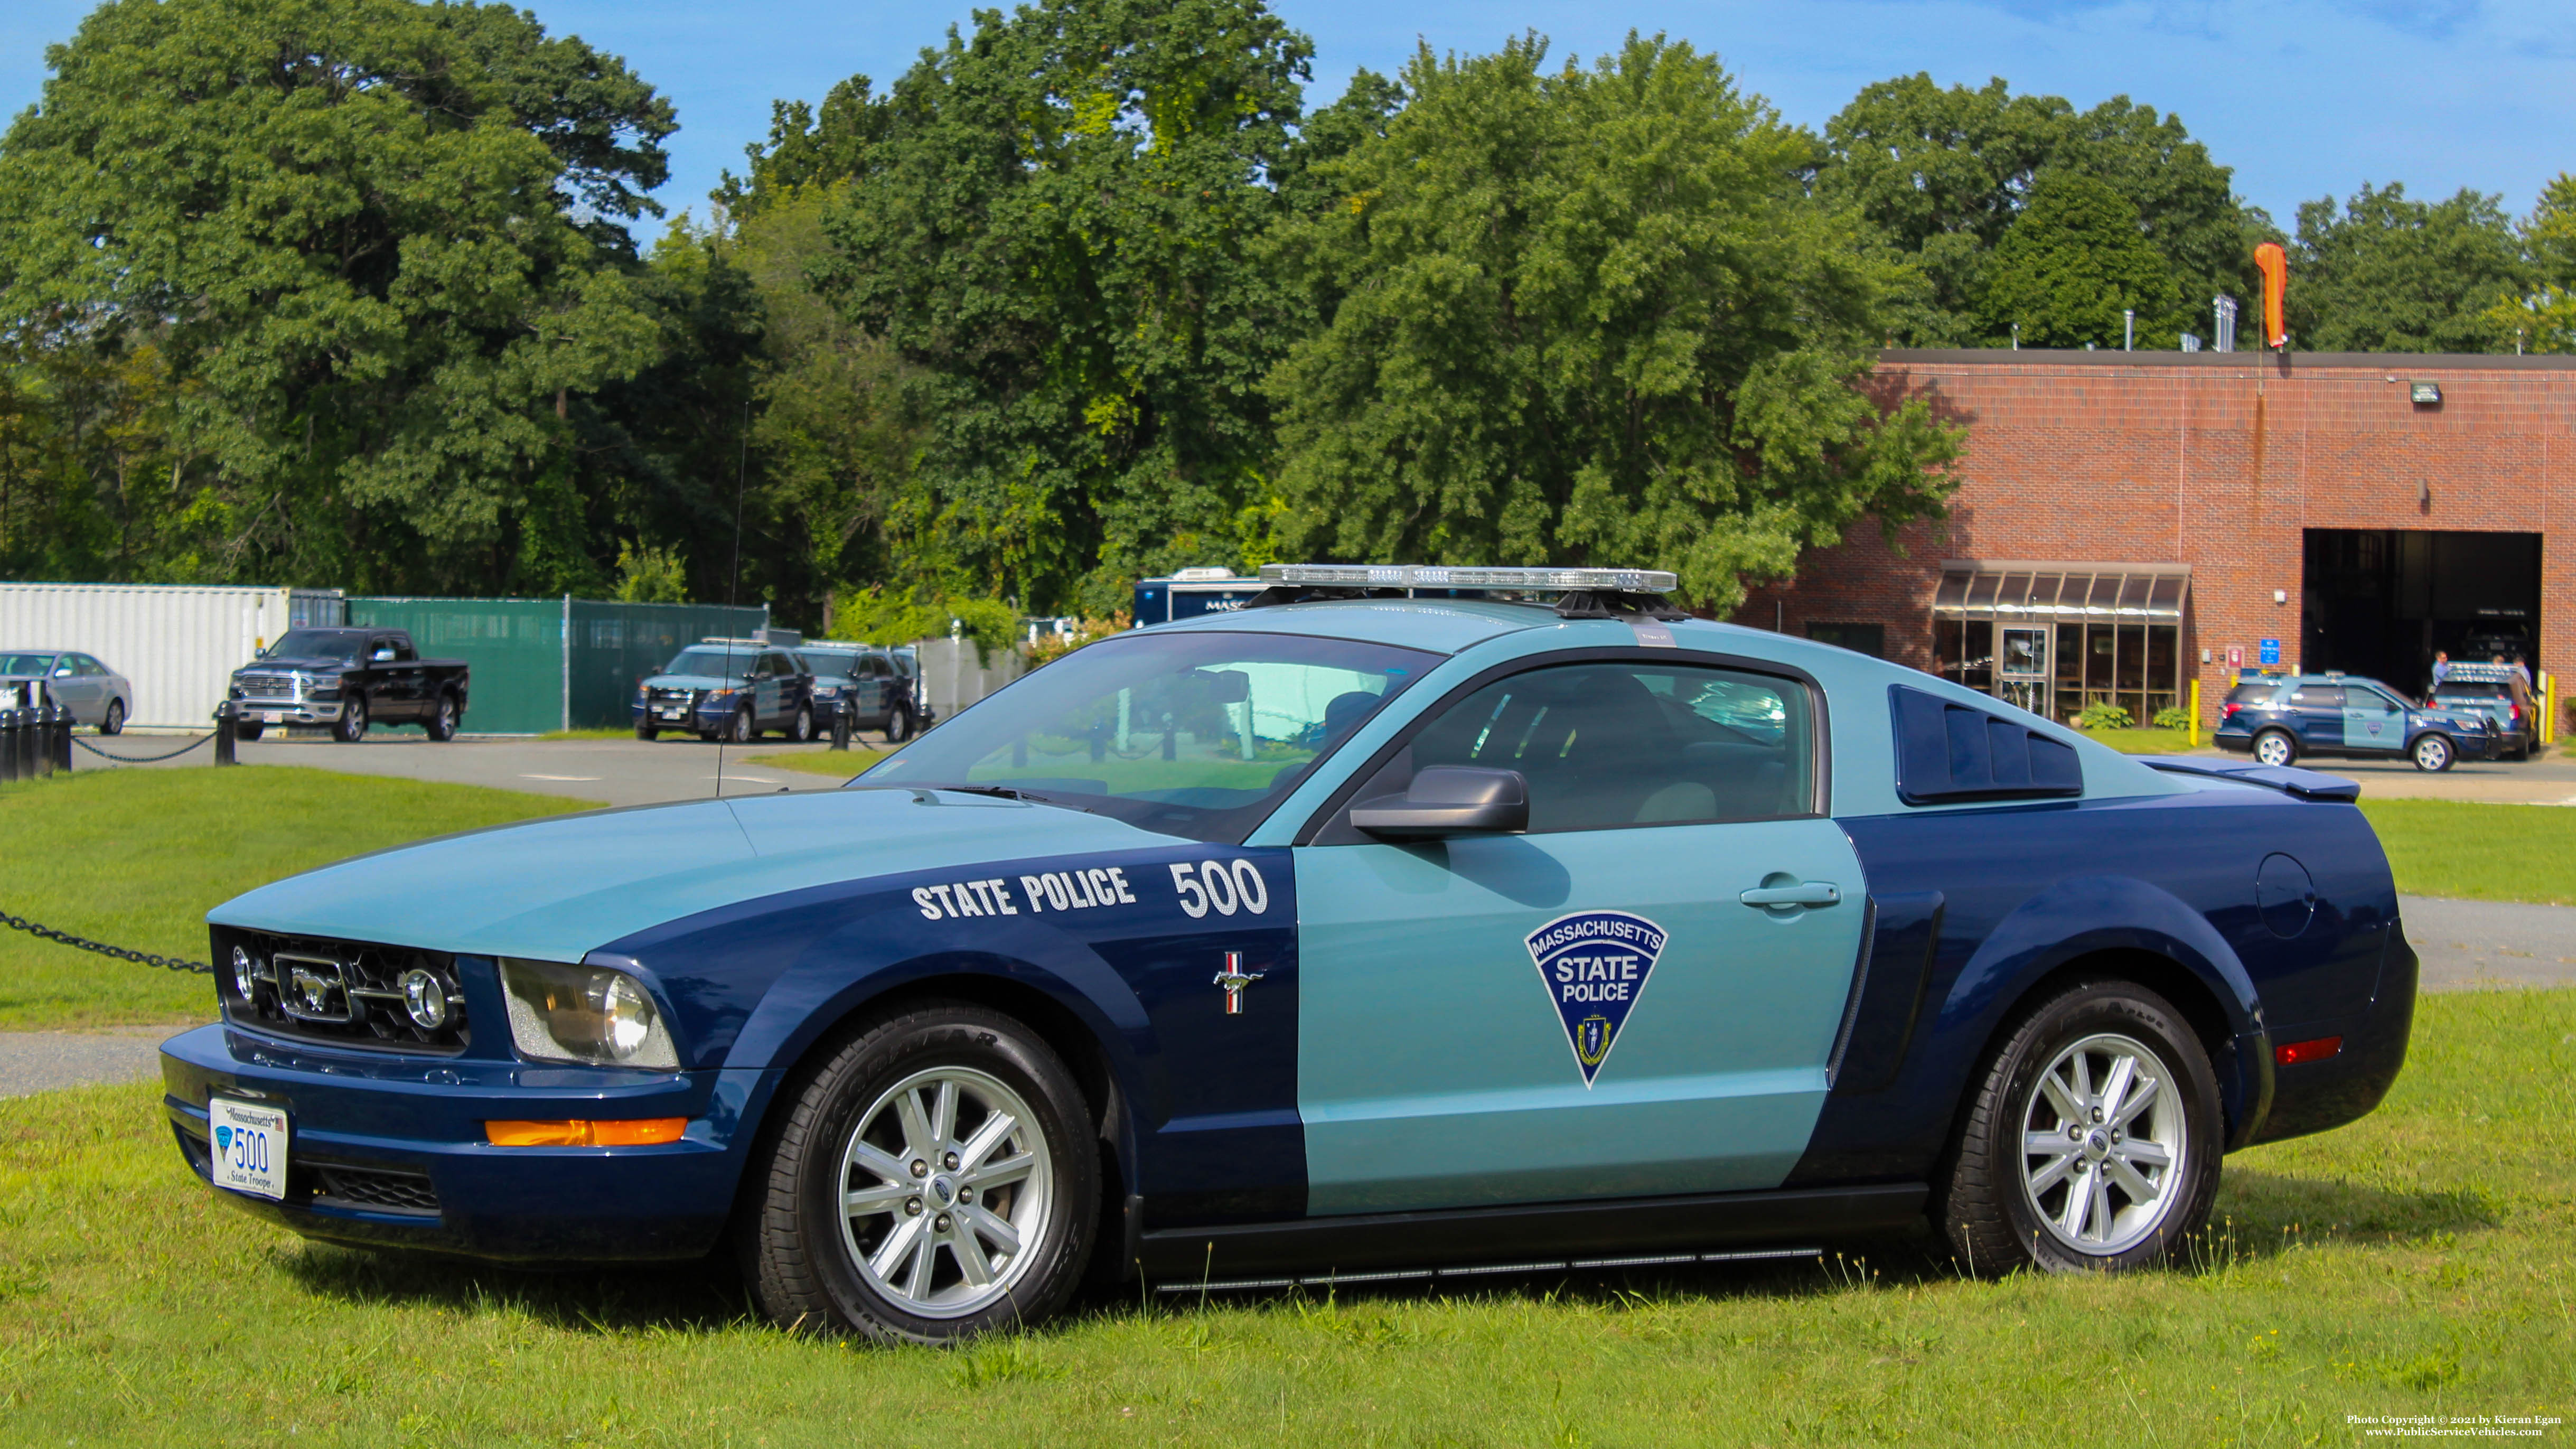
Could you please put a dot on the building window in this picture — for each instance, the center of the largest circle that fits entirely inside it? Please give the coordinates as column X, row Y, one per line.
column 2055, row 638
column 1869, row 639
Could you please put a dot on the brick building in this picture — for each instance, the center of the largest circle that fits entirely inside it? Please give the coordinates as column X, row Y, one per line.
column 2126, row 522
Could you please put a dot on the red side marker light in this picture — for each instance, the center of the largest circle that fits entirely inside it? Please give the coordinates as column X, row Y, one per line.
column 2290, row 1054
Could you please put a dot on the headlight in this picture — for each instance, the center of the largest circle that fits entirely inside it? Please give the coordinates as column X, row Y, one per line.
column 584, row 1014
column 245, row 974
column 720, row 694
column 826, row 691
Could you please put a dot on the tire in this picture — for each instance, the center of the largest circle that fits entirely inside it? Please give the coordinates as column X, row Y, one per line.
column 351, row 726
column 442, row 720
column 811, row 1264
column 2433, row 753
column 2004, row 1205
column 113, row 722
column 246, row 731
column 741, row 731
column 647, row 733
column 801, row 729
column 898, row 726
column 2272, row 743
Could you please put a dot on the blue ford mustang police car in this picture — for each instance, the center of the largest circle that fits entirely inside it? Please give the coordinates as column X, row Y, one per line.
column 1377, row 928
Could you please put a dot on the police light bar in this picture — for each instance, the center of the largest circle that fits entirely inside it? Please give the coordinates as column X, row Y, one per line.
column 1444, row 576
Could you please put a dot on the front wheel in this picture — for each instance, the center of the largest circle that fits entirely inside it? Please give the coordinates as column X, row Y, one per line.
column 2093, row 1142
column 2433, row 754
column 898, row 727
column 647, row 733
column 741, row 731
column 443, row 719
column 935, row 1179
column 246, row 731
column 801, row 728
column 2275, row 747
column 352, row 724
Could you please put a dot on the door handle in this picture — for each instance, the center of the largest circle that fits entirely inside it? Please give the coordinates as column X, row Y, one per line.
column 1805, row 893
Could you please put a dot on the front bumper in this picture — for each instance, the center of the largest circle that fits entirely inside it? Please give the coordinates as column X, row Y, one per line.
column 288, row 711
column 703, row 718
column 389, row 1150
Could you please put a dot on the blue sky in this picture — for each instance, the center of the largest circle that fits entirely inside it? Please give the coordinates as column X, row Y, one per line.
column 2302, row 97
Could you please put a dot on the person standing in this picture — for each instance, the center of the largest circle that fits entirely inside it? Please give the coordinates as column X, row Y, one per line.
column 2441, row 666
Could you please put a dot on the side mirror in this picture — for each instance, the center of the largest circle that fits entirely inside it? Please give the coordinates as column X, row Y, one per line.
column 1449, row 800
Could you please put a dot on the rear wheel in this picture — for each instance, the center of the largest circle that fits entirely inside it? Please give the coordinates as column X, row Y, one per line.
column 352, row 724
column 935, row 1179
column 2093, row 1142
column 443, row 719
column 114, row 720
column 2275, row 747
column 2433, row 753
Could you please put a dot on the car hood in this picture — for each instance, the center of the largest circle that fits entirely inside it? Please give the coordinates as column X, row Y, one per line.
column 556, row 889
column 691, row 681
column 295, row 661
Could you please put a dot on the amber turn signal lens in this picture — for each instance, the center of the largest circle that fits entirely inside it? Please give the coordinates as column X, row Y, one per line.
column 2293, row 1053
column 637, row 1132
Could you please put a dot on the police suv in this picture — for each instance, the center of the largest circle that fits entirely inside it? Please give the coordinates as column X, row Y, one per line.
column 1406, row 922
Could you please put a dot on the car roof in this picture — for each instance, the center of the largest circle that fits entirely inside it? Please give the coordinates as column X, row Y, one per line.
column 1443, row 626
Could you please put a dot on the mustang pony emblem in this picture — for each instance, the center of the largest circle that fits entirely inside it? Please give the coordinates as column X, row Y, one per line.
column 1233, row 978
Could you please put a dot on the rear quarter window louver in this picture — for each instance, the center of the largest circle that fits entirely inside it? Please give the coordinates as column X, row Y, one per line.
column 1948, row 753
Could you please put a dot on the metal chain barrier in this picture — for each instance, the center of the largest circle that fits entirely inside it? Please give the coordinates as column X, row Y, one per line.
column 83, row 943
column 142, row 759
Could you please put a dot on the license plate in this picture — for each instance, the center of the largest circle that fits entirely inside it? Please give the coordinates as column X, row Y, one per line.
column 270, row 716
column 670, row 714
column 249, row 1144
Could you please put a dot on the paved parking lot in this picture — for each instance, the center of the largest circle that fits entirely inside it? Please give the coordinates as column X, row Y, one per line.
column 611, row 772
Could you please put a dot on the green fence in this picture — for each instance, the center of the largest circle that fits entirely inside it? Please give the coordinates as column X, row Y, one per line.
column 547, row 664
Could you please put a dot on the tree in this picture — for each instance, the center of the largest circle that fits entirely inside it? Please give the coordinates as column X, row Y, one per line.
column 1055, row 235
column 2074, row 261
column 1940, row 176
column 2544, row 318
column 378, row 245
column 2394, row 275
column 1589, row 317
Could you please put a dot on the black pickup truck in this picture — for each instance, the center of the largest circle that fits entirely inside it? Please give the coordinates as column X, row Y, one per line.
column 348, row 679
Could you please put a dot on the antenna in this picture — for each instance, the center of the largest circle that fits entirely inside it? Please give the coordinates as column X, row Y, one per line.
column 733, row 586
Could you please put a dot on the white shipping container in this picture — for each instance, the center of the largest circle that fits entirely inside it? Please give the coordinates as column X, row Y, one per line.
column 177, row 643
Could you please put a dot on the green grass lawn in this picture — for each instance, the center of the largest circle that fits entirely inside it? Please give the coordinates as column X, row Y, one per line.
column 2478, row 852
column 137, row 857
column 2148, row 741
column 2417, row 1262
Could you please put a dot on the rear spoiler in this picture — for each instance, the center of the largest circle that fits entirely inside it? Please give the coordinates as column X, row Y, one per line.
column 2288, row 779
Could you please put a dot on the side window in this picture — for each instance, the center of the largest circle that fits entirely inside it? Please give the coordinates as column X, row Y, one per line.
column 780, row 665
column 88, row 666
column 2372, row 699
column 1617, row 744
column 2317, row 696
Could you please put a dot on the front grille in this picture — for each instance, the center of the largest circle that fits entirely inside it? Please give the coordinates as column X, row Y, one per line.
column 266, row 686
column 373, row 1188
column 674, row 696
column 347, row 993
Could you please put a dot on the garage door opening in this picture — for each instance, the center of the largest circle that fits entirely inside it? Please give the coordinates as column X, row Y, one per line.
column 2381, row 602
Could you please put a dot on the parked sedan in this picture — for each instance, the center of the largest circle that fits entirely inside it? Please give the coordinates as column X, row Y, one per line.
column 1345, row 935
column 96, row 694
column 2338, row 714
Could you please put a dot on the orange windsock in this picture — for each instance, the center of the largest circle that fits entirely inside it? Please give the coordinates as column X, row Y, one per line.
column 2274, row 264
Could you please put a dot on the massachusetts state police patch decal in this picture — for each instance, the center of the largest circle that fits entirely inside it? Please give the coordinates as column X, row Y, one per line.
column 1595, row 965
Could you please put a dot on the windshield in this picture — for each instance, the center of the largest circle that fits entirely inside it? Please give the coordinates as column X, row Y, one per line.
column 340, row 644
column 714, row 663
column 830, row 663
column 26, row 663
column 1195, row 735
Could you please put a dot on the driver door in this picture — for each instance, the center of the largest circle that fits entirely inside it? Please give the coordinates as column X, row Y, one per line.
column 1594, row 1008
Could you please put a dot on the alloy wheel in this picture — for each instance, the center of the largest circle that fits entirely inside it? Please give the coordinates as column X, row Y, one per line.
column 2274, row 748
column 944, row 1186
column 2433, row 754
column 2104, row 1144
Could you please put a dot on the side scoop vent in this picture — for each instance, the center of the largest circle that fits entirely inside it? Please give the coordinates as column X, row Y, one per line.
column 1951, row 753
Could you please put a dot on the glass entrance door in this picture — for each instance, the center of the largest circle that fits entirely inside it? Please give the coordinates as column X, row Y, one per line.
column 2021, row 669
